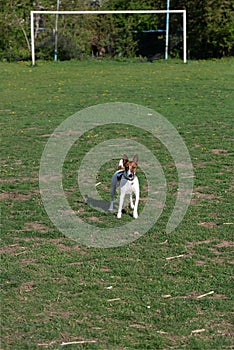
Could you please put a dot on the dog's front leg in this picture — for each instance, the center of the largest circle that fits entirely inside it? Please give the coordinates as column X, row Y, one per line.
column 135, row 214
column 131, row 202
column 137, row 195
column 121, row 200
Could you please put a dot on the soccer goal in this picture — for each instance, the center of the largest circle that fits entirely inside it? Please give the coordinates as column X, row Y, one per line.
column 132, row 12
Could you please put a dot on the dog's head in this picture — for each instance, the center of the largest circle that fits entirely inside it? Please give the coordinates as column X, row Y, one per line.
column 130, row 166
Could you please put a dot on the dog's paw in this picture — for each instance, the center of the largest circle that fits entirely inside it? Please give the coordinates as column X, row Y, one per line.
column 111, row 207
column 132, row 206
column 135, row 215
column 119, row 216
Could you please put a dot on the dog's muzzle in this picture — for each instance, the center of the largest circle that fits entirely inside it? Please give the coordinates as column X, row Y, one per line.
column 129, row 177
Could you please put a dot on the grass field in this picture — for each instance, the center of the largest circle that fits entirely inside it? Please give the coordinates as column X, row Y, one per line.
column 56, row 291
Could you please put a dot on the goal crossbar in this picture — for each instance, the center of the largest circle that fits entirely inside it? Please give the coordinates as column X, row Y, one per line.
column 183, row 12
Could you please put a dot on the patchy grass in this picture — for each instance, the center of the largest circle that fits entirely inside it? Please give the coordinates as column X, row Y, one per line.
column 144, row 295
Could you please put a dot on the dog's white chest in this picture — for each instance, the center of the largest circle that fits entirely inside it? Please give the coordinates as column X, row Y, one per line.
column 128, row 187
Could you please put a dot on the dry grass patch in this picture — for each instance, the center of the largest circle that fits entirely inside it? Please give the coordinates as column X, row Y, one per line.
column 35, row 226
column 208, row 224
column 27, row 287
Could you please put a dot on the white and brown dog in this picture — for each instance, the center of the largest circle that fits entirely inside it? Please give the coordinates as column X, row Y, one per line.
column 125, row 177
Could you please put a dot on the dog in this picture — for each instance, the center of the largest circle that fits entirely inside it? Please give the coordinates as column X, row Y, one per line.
column 125, row 177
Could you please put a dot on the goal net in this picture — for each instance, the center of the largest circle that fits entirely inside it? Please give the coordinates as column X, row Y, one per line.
column 95, row 42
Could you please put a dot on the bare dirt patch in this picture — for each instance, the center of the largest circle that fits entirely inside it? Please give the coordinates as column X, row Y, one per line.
column 18, row 247
column 200, row 263
column 201, row 195
column 61, row 133
column 215, row 250
column 27, row 261
column 19, row 179
column 217, row 258
column 27, row 287
column 61, row 244
column 81, row 210
column 94, row 219
column 105, row 269
column 194, row 243
column 17, row 196
column 13, row 249
column 201, row 165
column 219, row 151
column 35, row 226
column 224, row 244
column 69, row 248
column 218, row 296
column 139, row 326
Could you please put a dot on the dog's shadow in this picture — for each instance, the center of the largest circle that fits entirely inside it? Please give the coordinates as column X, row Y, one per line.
column 97, row 204
column 103, row 205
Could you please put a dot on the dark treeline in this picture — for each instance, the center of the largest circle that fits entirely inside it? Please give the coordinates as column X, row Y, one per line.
column 210, row 29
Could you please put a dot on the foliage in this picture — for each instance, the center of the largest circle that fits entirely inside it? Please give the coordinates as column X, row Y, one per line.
column 14, row 42
column 210, row 28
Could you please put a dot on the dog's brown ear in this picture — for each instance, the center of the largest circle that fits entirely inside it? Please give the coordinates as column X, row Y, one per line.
column 135, row 158
column 125, row 158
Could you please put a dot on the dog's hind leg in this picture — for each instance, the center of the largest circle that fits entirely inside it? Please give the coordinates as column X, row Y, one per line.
column 137, row 195
column 112, row 192
column 135, row 214
column 121, row 201
column 112, row 198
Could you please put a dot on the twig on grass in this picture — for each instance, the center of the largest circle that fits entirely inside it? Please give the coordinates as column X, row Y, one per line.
column 109, row 287
column 20, row 253
column 115, row 299
column 204, row 295
column 198, row 331
column 47, row 344
column 161, row 332
column 78, row 342
column 175, row 257
column 165, row 242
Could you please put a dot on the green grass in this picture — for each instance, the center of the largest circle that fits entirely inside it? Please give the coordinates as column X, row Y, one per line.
column 55, row 290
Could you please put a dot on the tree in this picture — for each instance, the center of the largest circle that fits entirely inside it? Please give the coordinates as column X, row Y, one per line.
column 210, row 23
column 210, row 26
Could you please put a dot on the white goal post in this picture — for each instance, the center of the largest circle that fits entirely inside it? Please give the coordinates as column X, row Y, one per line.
column 183, row 12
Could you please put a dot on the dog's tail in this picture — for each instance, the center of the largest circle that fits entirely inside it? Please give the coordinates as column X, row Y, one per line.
column 121, row 166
